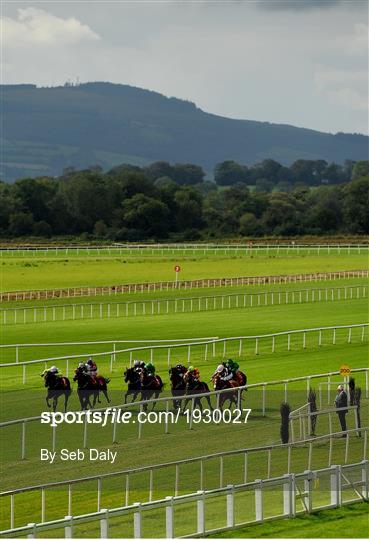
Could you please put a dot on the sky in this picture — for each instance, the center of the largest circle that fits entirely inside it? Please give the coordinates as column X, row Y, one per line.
column 302, row 62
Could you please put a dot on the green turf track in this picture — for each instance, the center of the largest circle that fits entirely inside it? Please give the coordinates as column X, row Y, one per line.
column 37, row 273
column 155, row 447
column 347, row 522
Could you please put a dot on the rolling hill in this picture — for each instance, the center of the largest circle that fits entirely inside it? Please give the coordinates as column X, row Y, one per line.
column 48, row 129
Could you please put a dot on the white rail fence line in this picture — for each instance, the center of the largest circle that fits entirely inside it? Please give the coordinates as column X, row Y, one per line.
column 213, row 347
column 174, row 468
column 297, row 490
column 17, row 347
column 165, row 306
column 79, row 291
column 167, row 402
column 161, row 249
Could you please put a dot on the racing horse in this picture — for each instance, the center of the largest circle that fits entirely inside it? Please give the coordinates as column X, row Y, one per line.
column 194, row 386
column 57, row 386
column 90, row 386
column 132, row 377
column 178, row 383
column 232, row 395
column 151, row 385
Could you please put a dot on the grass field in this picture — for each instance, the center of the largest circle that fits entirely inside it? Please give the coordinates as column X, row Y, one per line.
column 19, row 400
column 347, row 522
column 41, row 273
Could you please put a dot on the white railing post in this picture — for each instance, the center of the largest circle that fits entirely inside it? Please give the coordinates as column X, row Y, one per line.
column 230, row 507
column 104, row 524
column 33, row 533
column 201, row 513
column 336, row 494
column 23, row 452
column 68, row 529
column 169, row 517
column 137, row 521
column 289, row 495
column 365, row 479
column 308, row 491
column 259, row 501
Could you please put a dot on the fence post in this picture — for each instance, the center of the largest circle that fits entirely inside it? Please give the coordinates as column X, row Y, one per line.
column 33, row 533
column 23, row 446
column 259, row 501
column 289, row 495
column 308, row 491
column 137, row 521
column 169, row 518
column 230, row 506
column 201, row 513
column 365, row 479
column 68, row 529
column 336, row 495
column 104, row 524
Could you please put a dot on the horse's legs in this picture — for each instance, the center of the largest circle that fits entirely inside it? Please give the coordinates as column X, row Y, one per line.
column 198, row 403
column 209, row 402
column 105, row 392
column 47, row 401
column 66, row 397
column 55, row 403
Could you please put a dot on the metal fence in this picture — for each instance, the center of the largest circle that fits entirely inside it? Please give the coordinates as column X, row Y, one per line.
column 19, row 349
column 132, row 288
column 185, row 249
column 201, row 350
column 166, row 306
column 208, row 470
column 219, row 509
column 281, row 391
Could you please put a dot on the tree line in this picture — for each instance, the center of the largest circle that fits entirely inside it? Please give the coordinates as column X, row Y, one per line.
column 129, row 203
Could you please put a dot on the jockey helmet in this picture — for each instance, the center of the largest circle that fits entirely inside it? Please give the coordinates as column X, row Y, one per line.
column 81, row 365
column 149, row 366
column 142, row 363
column 90, row 362
column 191, row 368
column 53, row 369
column 136, row 363
column 220, row 368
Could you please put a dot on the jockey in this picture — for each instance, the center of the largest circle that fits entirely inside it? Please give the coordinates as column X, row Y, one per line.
column 91, row 368
column 220, row 369
column 52, row 371
column 195, row 373
column 150, row 369
column 233, row 368
column 181, row 370
column 138, row 365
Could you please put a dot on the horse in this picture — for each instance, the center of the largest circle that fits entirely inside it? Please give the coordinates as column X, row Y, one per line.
column 132, row 377
column 232, row 395
column 88, row 386
column 178, row 384
column 194, row 386
column 151, row 385
column 57, row 386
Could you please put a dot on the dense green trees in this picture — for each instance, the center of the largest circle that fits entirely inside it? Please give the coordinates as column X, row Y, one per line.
column 131, row 204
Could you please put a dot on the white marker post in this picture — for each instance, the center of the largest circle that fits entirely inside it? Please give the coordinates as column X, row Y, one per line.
column 177, row 270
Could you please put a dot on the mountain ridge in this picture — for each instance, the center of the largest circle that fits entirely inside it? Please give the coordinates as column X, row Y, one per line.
column 103, row 123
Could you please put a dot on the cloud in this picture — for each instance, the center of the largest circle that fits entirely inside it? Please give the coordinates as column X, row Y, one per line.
column 345, row 88
column 34, row 26
column 307, row 5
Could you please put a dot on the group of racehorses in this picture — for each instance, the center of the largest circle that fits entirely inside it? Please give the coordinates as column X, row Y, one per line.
column 148, row 386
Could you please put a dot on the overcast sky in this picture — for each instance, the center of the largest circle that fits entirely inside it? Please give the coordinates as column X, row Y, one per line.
column 298, row 62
